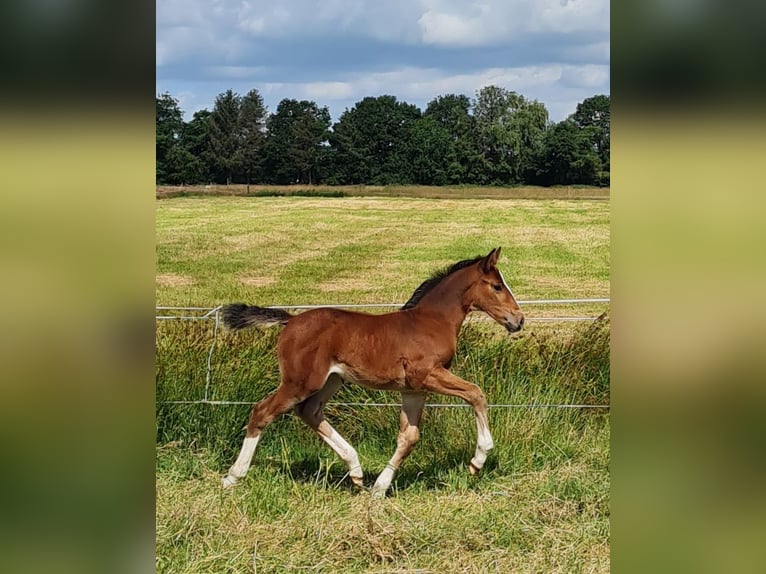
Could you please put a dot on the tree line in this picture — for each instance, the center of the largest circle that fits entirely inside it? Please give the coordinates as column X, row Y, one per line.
column 497, row 138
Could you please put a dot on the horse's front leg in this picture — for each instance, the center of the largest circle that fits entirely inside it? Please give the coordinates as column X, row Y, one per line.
column 445, row 383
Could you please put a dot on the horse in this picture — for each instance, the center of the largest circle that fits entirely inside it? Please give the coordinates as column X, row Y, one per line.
column 409, row 350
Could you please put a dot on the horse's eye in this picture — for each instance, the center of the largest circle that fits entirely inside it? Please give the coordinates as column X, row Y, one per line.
column 497, row 287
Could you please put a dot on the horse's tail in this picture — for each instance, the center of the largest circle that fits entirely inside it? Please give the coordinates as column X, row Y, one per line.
column 241, row 316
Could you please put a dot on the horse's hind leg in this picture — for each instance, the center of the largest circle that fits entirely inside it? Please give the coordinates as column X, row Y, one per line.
column 265, row 411
column 311, row 411
column 409, row 434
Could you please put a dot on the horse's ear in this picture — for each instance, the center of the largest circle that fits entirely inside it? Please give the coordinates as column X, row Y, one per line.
column 490, row 260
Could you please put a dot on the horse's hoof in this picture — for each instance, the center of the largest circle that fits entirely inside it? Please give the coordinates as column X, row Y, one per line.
column 378, row 493
column 473, row 468
column 358, row 481
column 228, row 481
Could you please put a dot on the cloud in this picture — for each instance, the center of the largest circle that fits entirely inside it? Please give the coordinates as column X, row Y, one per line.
column 597, row 52
column 482, row 23
column 393, row 20
column 237, row 72
column 321, row 92
column 588, row 76
column 337, row 52
column 559, row 87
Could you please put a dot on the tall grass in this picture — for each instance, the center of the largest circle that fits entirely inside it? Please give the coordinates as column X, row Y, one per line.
column 541, row 503
column 538, row 368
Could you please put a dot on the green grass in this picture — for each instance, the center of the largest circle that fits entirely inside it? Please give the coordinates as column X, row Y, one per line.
column 274, row 251
column 542, row 501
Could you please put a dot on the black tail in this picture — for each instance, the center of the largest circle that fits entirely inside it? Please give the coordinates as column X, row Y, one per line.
column 241, row 316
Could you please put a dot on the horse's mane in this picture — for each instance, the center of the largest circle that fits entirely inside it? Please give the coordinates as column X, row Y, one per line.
column 435, row 279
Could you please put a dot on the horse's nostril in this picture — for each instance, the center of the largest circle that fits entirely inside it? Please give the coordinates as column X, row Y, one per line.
column 521, row 321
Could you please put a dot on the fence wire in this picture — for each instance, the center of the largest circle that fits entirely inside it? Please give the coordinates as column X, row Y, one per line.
column 213, row 314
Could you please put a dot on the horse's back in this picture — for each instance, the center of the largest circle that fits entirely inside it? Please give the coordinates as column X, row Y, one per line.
column 379, row 351
column 338, row 328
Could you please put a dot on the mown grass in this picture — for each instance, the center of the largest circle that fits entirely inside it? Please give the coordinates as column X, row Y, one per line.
column 542, row 501
column 273, row 251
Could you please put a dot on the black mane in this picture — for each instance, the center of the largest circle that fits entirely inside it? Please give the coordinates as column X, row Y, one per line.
column 435, row 279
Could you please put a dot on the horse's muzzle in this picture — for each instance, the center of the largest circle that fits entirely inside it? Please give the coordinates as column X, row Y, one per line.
column 513, row 327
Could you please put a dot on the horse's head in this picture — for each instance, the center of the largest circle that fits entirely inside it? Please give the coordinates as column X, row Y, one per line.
column 491, row 294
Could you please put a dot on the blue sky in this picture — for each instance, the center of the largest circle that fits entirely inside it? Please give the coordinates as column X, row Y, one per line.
column 336, row 52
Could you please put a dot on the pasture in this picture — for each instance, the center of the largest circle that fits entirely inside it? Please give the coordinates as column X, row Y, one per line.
column 541, row 503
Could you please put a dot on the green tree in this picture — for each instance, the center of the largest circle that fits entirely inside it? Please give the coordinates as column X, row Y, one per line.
column 182, row 167
column 594, row 115
column 510, row 131
column 224, row 134
column 196, row 140
column 432, row 153
column 297, row 137
column 452, row 113
column 251, row 135
column 169, row 126
column 569, row 157
column 370, row 142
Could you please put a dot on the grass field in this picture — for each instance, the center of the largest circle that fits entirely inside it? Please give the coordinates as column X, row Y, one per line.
column 542, row 501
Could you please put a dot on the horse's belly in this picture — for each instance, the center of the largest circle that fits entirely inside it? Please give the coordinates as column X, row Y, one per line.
column 386, row 381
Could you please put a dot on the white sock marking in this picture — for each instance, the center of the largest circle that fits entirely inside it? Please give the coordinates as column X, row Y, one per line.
column 484, row 444
column 345, row 451
column 383, row 482
column 239, row 468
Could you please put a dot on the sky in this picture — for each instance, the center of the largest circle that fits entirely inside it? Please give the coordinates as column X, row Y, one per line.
column 336, row 52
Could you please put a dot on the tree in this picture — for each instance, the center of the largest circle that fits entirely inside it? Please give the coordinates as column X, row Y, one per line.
column 594, row 115
column 431, row 152
column 452, row 113
column 182, row 167
column 309, row 135
column 196, row 140
column 531, row 123
column 224, row 134
column 569, row 156
column 370, row 142
column 169, row 125
column 251, row 134
column 297, row 137
column 510, row 131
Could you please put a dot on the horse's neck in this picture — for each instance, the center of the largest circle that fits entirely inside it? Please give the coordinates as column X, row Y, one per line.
column 447, row 301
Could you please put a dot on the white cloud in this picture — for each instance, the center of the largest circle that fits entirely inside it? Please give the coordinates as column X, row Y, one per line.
column 559, row 49
column 433, row 22
column 274, row 20
column 561, row 85
column 568, row 16
column 439, row 28
column 587, row 76
column 392, row 20
column 321, row 92
column 451, row 22
column 176, row 43
column 419, row 83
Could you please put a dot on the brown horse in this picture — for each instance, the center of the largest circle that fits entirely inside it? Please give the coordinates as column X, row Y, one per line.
column 409, row 350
